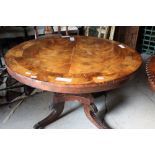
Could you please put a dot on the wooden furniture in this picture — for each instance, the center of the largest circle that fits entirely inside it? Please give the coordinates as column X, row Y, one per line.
column 150, row 70
column 127, row 35
column 106, row 32
column 49, row 30
column 73, row 68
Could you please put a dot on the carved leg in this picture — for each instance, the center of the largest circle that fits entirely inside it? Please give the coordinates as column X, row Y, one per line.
column 90, row 109
column 57, row 108
column 87, row 100
column 91, row 113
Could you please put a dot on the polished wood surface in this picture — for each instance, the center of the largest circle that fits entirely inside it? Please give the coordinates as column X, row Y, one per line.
column 150, row 70
column 72, row 65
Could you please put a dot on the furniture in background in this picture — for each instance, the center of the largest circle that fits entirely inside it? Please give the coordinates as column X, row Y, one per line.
column 13, row 32
column 10, row 89
column 128, row 35
column 106, row 32
column 148, row 40
column 148, row 47
column 150, row 71
column 59, row 30
column 74, row 68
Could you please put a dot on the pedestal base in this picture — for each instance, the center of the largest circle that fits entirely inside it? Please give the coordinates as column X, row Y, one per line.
column 57, row 107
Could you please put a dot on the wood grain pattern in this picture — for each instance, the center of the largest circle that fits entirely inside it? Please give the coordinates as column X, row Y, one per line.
column 86, row 64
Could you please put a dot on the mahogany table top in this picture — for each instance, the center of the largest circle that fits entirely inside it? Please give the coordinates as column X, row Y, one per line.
column 72, row 65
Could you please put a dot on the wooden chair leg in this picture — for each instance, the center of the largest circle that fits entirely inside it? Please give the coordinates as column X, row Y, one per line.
column 35, row 32
column 67, row 31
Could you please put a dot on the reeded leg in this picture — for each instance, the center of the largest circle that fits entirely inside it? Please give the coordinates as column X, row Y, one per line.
column 57, row 108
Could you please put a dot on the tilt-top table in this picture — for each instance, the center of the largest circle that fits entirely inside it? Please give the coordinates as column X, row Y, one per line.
column 73, row 68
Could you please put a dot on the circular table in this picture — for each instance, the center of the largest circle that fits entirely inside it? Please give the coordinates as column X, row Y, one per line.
column 73, row 68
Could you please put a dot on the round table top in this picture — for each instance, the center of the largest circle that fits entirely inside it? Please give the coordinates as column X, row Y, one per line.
column 76, row 64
